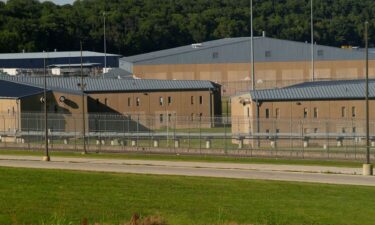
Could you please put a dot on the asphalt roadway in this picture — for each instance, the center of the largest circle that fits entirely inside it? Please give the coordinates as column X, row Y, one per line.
column 297, row 173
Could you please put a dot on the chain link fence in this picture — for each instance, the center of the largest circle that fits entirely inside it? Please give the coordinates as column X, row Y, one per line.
column 168, row 133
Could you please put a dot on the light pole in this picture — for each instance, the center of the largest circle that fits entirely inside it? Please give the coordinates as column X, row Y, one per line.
column 367, row 167
column 312, row 42
column 82, row 85
column 252, row 47
column 105, row 44
column 46, row 153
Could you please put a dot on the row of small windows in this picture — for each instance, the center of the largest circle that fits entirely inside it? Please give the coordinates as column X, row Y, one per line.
column 192, row 118
column 315, row 112
column 161, row 101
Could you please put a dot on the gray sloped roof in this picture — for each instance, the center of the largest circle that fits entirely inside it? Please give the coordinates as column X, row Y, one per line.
column 237, row 50
column 320, row 90
column 70, row 84
column 118, row 73
column 41, row 55
column 16, row 90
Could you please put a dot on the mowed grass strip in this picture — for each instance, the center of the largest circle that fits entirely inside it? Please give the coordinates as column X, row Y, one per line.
column 189, row 158
column 34, row 196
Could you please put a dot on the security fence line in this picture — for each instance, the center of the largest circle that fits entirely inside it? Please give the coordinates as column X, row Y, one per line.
column 237, row 136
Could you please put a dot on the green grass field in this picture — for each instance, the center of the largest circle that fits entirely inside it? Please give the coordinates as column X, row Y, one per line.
column 33, row 196
column 201, row 158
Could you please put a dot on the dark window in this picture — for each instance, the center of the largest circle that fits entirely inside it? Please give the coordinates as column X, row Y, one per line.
column 277, row 131
column 169, row 117
column 305, row 112
column 267, row 113
column 343, row 130
column 138, row 101
column 129, row 101
column 161, row 118
column 268, row 54
column 215, row 55
column 353, row 112
column 192, row 100
column 105, row 101
column 315, row 130
column 169, row 100
column 315, row 112
column 277, row 112
column 201, row 100
column 354, row 130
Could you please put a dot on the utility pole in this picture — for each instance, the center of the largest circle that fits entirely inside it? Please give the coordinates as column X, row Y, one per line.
column 46, row 153
column 105, row 44
column 312, row 42
column 367, row 167
column 83, row 105
column 252, row 47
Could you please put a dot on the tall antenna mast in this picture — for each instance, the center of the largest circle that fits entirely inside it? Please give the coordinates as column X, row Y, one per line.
column 252, row 47
column 312, row 42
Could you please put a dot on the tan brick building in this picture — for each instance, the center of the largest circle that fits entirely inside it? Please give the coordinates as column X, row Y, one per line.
column 311, row 109
column 151, row 104
column 278, row 63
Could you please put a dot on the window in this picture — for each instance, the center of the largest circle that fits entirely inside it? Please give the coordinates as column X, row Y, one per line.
column 315, row 130
column 161, row 101
column 277, row 131
column 354, row 130
column 138, row 101
column 13, row 111
column 215, row 55
column 129, row 101
column 320, row 52
column 161, row 118
column 267, row 113
column 343, row 130
column 105, row 101
column 305, row 113
column 267, row 54
column 267, row 131
column 277, row 112
column 169, row 117
column 192, row 100
column 200, row 100
column 200, row 115
column 343, row 112
column 353, row 112
column 169, row 100
column 315, row 112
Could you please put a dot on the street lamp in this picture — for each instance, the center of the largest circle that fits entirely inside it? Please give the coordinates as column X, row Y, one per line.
column 44, row 101
column 105, row 44
column 82, row 86
column 367, row 167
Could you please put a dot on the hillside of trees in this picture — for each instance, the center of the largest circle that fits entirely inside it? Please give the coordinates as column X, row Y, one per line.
column 137, row 26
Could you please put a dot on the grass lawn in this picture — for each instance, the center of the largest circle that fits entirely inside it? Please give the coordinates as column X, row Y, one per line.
column 34, row 196
column 201, row 158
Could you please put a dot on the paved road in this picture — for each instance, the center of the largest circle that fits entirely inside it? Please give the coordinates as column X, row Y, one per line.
column 314, row 174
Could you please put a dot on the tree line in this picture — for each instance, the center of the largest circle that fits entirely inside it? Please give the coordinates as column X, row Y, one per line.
column 138, row 26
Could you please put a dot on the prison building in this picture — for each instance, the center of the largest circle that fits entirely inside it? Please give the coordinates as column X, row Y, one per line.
column 306, row 110
column 277, row 63
column 35, row 62
column 147, row 104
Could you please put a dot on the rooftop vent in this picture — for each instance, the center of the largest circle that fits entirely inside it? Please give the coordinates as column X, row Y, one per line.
column 197, row 45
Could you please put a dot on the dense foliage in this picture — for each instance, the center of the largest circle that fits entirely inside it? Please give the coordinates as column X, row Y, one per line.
column 136, row 26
